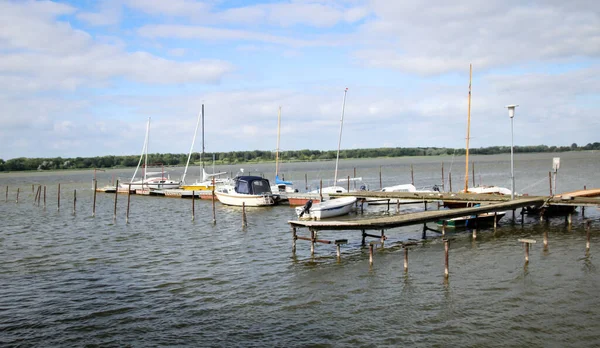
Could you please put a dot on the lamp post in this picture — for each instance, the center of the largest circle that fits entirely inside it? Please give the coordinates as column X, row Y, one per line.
column 511, row 114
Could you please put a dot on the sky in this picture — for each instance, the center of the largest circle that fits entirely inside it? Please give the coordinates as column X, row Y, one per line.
column 81, row 78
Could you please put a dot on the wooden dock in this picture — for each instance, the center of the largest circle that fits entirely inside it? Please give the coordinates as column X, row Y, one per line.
column 388, row 222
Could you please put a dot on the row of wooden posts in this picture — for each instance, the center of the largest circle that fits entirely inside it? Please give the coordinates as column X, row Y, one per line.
column 372, row 245
column 42, row 189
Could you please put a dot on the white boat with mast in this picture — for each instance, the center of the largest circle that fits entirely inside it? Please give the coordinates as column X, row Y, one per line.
column 334, row 207
column 281, row 186
column 149, row 180
column 206, row 184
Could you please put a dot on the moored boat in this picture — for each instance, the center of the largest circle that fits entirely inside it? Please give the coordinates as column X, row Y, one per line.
column 479, row 220
column 251, row 191
column 327, row 209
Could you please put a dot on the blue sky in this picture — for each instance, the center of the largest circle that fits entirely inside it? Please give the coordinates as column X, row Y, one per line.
column 80, row 78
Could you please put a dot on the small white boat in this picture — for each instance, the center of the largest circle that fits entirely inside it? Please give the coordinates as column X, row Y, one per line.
column 327, row 209
column 251, row 191
column 398, row 188
column 490, row 190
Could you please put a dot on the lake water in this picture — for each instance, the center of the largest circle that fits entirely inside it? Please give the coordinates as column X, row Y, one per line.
column 164, row 280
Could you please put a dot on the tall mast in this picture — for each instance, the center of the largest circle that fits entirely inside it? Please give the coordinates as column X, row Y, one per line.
column 468, row 132
column 202, row 155
column 143, row 150
column 337, row 159
column 277, row 149
column 191, row 149
column 146, row 159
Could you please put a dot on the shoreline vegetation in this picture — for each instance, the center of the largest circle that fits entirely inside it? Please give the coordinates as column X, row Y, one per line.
column 258, row 156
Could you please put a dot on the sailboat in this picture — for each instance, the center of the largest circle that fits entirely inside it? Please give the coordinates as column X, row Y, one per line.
column 334, row 207
column 479, row 189
column 206, row 184
column 281, row 186
column 148, row 180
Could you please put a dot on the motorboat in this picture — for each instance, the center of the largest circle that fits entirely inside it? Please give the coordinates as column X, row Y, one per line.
column 326, row 209
column 250, row 191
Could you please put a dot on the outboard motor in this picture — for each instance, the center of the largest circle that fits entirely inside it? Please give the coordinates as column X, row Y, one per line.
column 306, row 208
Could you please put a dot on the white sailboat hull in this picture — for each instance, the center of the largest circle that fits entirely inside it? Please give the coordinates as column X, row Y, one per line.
column 328, row 209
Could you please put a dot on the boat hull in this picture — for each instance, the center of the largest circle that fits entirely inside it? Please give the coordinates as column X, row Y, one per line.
column 328, row 209
column 481, row 220
column 239, row 200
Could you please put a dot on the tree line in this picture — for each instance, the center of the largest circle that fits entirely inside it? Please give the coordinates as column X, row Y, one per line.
column 235, row 157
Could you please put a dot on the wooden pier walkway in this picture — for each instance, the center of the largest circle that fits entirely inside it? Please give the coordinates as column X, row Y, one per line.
column 417, row 218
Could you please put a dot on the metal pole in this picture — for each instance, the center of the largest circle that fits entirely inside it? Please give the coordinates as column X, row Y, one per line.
column 128, row 201
column 512, row 165
column 94, row 201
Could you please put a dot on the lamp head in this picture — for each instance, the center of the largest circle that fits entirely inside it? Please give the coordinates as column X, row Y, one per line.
column 511, row 110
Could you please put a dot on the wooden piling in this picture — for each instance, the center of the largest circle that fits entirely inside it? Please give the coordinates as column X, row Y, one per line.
column 338, row 243
column 583, row 208
column 348, row 183
column 526, row 243
column 37, row 194
column 94, row 199
column 550, row 181
column 313, row 237
column 213, row 202
column 6, row 197
column 495, row 220
column 32, row 188
column 371, row 251
column 128, row 202
column 475, row 232
column 193, row 205
column 450, row 181
column 443, row 179
column 294, row 239
column 58, row 199
column 380, row 182
column 74, row 201
column 321, row 190
column 444, row 223
column 405, row 259
column 545, row 240
column 305, row 181
column 18, row 189
column 588, row 226
column 44, row 196
column 446, row 247
column 116, row 195
column 412, row 175
column 569, row 219
column 473, row 173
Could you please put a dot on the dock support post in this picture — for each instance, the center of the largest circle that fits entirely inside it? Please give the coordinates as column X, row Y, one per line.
column 6, row 197
column 380, row 182
column 213, row 202
column 412, row 175
column 569, row 219
column 405, row 259
column 321, row 190
column 526, row 243
column 444, row 223
column 388, row 206
column 94, row 199
column 450, row 180
column 364, row 236
column 294, row 239
column 313, row 237
column 305, row 181
column 362, row 206
column 371, row 251
column 128, row 202
column 338, row 243
column 244, row 221
column 495, row 220
column 58, row 199
column 424, row 235
column 542, row 214
column 475, row 233
column 446, row 247
column 425, row 205
column 74, row 201
column 514, row 216
column 193, row 205
column 115, row 206
column 397, row 206
column 443, row 180
column 37, row 193
column 545, row 240
column 44, row 196
column 383, row 238
column 32, row 188
column 18, row 190
column 588, row 224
